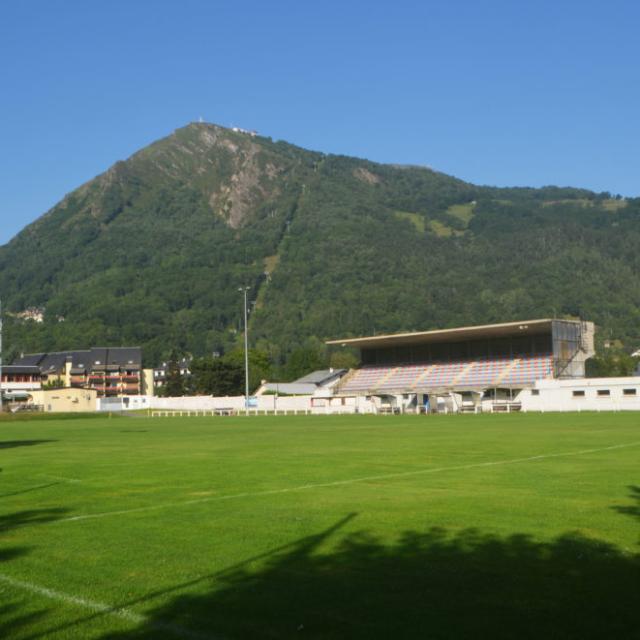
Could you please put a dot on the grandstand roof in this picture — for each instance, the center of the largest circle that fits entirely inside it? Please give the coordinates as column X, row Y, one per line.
column 504, row 329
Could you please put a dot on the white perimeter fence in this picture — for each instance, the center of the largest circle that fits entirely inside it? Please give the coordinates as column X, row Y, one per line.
column 235, row 405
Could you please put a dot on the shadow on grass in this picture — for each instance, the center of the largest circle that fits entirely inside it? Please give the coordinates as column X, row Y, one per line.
column 634, row 509
column 11, row 521
column 431, row 584
column 29, row 490
column 10, row 444
column 13, row 617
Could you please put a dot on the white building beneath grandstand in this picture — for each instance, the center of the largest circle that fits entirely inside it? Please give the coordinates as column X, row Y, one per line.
column 536, row 365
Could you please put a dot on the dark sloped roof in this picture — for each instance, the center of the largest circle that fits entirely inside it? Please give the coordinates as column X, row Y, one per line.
column 20, row 369
column 80, row 359
column 53, row 361
column 30, row 359
column 98, row 355
column 84, row 359
column 124, row 356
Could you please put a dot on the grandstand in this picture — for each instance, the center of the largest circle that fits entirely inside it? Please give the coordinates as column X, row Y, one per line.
column 466, row 364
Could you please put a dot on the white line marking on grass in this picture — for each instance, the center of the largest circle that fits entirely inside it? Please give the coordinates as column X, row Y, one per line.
column 97, row 607
column 100, row 608
column 338, row 483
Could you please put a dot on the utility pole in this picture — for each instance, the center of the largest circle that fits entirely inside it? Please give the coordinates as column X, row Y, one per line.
column 246, row 352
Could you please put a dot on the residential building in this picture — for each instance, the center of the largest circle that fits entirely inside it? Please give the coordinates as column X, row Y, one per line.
column 18, row 382
column 111, row 371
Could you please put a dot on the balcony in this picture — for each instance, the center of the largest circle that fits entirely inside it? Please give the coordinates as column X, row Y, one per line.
column 21, row 386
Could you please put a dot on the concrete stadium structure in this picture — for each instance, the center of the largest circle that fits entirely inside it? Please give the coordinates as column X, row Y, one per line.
column 534, row 365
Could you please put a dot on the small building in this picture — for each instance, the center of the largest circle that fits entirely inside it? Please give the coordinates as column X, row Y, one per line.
column 588, row 394
column 322, row 380
column 67, row 400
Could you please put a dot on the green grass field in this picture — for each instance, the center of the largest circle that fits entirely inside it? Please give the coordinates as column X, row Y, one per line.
column 512, row 526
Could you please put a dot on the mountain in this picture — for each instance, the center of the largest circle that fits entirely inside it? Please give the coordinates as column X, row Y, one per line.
column 153, row 251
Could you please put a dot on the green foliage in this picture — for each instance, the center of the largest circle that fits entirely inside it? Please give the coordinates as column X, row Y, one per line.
column 259, row 365
column 414, row 218
column 149, row 253
column 56, row 383
column 305, row 359
column 344, row 359
column 611, row 363
column 217, row 377
column 174, row 385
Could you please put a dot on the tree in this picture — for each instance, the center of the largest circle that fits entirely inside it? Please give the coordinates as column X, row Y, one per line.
column 259, row 365
column 174, row 384
column 56, row 383
column 344, row 359
column 612, row 364
column 217, row 377
column 304, row 360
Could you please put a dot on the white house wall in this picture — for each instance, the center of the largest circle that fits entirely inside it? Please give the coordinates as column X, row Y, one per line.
column 558, row 395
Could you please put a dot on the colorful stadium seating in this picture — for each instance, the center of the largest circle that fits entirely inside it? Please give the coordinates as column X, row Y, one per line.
column 485, row 372
column 526, row 370
column 462, row 374
column 403, row 377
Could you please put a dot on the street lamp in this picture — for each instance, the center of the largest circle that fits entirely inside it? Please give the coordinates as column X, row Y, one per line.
column 246, row 352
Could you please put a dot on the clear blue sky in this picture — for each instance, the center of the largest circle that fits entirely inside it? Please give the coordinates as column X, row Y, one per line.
column 494, row 92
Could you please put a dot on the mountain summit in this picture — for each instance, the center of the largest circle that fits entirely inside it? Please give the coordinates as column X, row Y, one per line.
column 152, row 251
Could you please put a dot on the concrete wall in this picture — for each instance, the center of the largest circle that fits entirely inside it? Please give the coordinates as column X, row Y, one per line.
column 312, row 404
column 127, row 403
column 558, row 395
column 547, row 395
column 66, row 400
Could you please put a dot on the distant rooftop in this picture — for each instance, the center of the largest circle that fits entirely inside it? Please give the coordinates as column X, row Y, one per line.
column 82, row 359
column 321, row 376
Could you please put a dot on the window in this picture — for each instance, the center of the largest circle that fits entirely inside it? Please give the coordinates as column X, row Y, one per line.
column 535, row 392
column 629, row 392
column 603, row 393
column 578, row 393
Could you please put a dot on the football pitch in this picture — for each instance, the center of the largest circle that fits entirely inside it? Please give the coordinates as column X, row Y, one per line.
column 504, row 526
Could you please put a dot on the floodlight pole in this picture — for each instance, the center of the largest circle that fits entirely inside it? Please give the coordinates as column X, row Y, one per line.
column 246, row 353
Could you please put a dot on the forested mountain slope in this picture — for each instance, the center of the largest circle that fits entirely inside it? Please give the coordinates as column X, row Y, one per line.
column 152, row 252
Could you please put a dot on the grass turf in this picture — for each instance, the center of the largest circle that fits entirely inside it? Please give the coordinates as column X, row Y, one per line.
column 199, row 535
